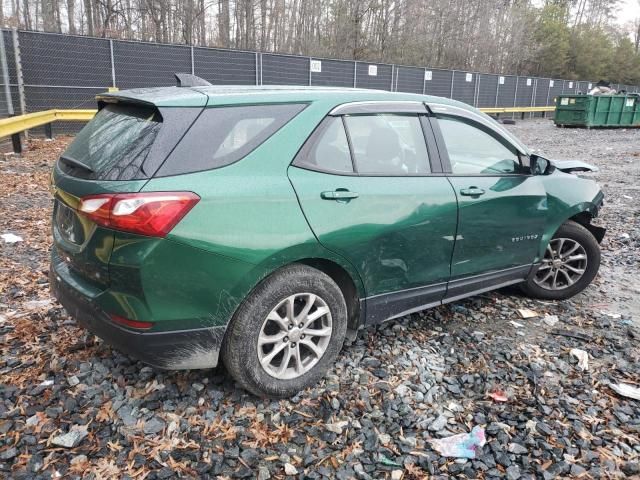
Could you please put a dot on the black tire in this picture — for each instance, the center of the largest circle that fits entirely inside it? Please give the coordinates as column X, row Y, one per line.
column 239, row 349
column 576, row 232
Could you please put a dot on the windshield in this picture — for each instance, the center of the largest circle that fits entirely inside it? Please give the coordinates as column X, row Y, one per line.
column 114, row 144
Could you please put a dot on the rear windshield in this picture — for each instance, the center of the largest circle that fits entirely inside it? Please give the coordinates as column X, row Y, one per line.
column 223, row 135
column 114, row 144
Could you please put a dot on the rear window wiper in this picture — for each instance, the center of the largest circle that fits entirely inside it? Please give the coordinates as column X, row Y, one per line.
column 76, row 163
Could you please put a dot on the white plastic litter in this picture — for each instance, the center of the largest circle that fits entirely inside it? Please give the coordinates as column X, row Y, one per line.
column 626, row 390
column 583, row 358
column 11, row 238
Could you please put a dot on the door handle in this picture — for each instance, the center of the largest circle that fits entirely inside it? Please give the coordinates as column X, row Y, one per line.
column 338, row 195
column 472, row 191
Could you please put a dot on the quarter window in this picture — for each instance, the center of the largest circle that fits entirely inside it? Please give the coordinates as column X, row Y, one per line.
column 329, row 150
column 224, row 135
column 473, row 151
column 388, row 144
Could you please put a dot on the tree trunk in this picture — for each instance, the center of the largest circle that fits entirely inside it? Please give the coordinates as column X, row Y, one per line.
column 48, row 15
column 88, row 13
column 223, row 23
column 71, row 15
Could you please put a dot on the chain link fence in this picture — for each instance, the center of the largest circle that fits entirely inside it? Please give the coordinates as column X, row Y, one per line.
column 47, row 70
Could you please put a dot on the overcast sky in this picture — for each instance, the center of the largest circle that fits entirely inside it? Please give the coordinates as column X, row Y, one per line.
column 630, row 10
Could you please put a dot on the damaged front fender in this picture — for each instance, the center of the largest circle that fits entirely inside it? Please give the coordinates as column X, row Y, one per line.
column 569, row 166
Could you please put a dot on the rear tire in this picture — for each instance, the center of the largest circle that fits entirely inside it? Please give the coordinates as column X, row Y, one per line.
column 287, row 333
column 571, row 262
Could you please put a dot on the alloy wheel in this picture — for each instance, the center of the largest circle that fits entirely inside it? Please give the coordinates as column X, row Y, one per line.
column 294, row 336
column 564, row 263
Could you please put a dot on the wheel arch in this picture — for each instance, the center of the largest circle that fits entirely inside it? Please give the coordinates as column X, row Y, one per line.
column 584, row 218
column 345, row 282
column 582, row 213
column 337, row 268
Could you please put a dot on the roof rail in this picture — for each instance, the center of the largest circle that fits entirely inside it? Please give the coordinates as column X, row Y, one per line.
column 189, row 80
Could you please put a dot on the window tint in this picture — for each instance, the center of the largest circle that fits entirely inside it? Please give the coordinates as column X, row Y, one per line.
column 328, row 150
column 224, row 135
column 388, row 144
column 474, row 151
column 113, row 144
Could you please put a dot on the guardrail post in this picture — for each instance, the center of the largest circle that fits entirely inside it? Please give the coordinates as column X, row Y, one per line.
column 48, row 130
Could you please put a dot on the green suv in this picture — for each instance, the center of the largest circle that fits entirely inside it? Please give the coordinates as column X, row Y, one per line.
column 263, row 225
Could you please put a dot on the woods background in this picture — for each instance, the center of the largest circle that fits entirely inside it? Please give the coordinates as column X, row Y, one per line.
column 554, row 38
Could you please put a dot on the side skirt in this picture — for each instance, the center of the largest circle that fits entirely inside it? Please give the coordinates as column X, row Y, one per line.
column 387, row 306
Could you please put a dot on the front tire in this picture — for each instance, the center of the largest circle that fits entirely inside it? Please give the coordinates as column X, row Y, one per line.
column 287, row 333
column 570, row 263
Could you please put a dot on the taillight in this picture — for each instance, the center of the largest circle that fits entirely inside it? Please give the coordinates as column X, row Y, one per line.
column 131, row 323
column 153, row 214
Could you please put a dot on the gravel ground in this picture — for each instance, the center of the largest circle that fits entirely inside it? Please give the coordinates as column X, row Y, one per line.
column 70, row 406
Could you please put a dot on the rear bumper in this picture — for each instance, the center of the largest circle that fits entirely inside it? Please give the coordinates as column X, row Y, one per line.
column 174, row 350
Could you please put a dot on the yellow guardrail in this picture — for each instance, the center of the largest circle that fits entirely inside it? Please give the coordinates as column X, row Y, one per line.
column 12, row 125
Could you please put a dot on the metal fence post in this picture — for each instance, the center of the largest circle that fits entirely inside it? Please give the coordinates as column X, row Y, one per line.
column 391, row 90
column 18, row 59
column 113, row 64
column 260, row 68
column 355, row 73
column 309, row 71
column 515, row 96
column 256, row 63
column 424, row 80
column 193, row 65
column 548, row 92
column 15, row 138
column 533, row 95
column 453, row 74
column 476, row 90
column 397, row 75
column 497, row 91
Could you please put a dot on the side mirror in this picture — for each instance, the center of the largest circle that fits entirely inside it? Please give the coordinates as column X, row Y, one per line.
column 540, row 165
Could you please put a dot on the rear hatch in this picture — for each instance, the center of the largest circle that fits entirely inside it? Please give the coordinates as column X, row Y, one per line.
column 117, row 152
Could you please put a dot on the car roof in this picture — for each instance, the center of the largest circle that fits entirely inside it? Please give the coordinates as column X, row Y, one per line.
column 237, row 94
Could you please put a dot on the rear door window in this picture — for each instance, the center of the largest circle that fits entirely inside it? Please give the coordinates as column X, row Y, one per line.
column 114, row 144
column 224, row 135
column 388, row 144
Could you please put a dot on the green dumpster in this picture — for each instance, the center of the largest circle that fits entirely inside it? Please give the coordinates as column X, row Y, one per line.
column 597, row 110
